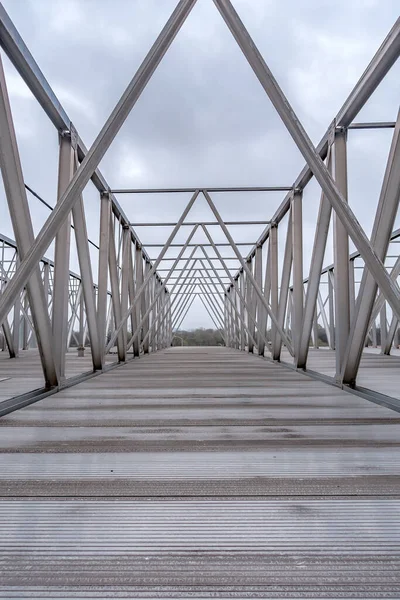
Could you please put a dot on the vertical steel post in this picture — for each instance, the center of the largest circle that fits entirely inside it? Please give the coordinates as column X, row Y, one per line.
column 135, row 315
column 374, row 336
column 317, row 258
column 116, row 300
column 261, row 312
column 226, row 324
column 150, row 289
column 383, row 328
column 16, row 325
column 273, row 253
column 102, row 293
column 82, row 333
column 381, row 232
column 85, row 265
column 341, row 255
column 331, row 293
column 259, row 308
column 324, row 318
column 14, row 187
column 352, row 288
column 249, row 307
column 126, row 242
column 391, row 335
column 145, row 304
column 298, row 291
column 242, row 311
column 62, row 256
column 25, row 326
column 284, row 292
column 140, row 306
column 315, row 331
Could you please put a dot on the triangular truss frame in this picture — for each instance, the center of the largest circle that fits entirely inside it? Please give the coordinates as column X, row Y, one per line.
column 255, row 312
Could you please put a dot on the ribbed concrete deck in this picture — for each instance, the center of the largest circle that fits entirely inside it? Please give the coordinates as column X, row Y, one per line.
column 200, row 472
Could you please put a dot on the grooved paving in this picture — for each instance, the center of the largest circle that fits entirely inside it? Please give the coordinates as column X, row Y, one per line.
column 200, row 472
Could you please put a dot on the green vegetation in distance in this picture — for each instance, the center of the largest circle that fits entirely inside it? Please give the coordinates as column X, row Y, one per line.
column 198, row 337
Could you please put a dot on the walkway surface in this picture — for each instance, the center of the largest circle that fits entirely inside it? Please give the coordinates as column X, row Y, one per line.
column 200, row 472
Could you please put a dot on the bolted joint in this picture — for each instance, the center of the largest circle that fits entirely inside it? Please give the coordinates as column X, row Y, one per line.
column 341, row 132
column 70, row 134
column 105, row 194
column 331, row 132
column 297, row 191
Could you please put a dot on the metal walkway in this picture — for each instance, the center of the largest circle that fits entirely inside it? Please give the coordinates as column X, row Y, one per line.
column 200, row 472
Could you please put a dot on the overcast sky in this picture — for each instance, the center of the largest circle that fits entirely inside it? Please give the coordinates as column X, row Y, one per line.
column 204, row 119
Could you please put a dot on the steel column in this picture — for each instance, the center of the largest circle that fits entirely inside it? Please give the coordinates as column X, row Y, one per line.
column 382, row 229
column 85, row 265
column 62, row 257
column 13, row 180
column 317, row 259
column 341, row 255
column 102, row 292
column 284, row 291
column 273, row 253
column 145, row 304
column 297, row 245
column 115, row 293
column 390, row 336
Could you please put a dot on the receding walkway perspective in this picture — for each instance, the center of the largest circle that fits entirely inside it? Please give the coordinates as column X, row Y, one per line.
column 267, row 467
column 200, row 472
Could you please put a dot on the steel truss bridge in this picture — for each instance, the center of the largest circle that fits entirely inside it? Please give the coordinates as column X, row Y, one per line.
column 267, row 467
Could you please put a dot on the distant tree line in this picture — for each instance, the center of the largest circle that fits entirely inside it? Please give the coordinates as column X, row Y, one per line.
column 213, row 337
column 198, row 337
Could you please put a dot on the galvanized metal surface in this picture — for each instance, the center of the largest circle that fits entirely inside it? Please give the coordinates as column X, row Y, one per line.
column 200, row 472
column 140, row 300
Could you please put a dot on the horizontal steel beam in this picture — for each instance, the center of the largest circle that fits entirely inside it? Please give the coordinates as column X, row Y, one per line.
column 280, row 188
column 207, row 223
column 178, row 269
column 382, row 125
column 200, row 293
column 208, row 276
column 199, row 245
column 212, row 258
